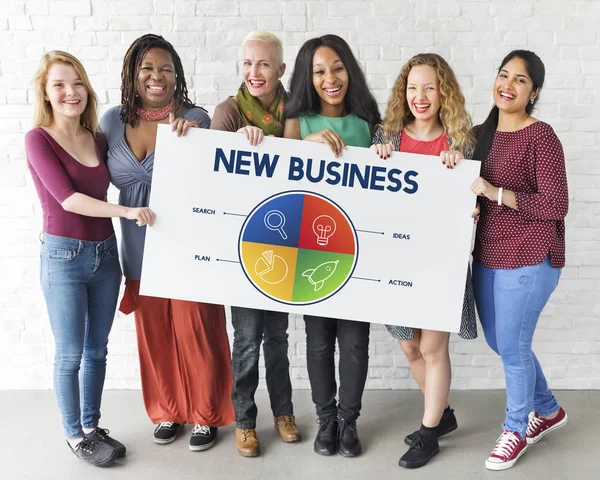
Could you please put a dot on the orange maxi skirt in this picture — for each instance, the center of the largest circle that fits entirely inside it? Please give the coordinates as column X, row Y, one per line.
column 185, row 361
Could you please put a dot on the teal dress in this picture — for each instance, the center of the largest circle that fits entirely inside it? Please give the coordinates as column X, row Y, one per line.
column 355, row 131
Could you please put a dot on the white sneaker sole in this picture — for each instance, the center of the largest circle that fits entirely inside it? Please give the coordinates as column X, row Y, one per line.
column 200, row 448
column 504, row 465
column 562, row 423
column 166, row 441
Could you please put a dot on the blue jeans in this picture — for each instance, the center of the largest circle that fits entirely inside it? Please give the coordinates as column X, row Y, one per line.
column 80, row 281
column 509, row 303
column 251, row 328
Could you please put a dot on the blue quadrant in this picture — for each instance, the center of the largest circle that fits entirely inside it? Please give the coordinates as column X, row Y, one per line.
column 276, row 222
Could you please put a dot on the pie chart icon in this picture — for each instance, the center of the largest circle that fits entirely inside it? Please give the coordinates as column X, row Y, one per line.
column 271, row 268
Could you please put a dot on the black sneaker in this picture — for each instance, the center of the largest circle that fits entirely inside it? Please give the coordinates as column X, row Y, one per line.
column 326, row 441
column 421, row 450
column 447, row 424
column 202, row 438
column 101, row 435
column 349, row 443
column 166, row 432
column 96, row 453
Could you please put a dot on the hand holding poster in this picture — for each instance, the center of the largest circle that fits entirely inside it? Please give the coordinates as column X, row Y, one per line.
column 286, row 226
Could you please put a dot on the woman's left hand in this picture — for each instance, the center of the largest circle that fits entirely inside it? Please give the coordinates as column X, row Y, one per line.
column 482, row 188
column 181, row 125
column 253, row 134
column 476, row 213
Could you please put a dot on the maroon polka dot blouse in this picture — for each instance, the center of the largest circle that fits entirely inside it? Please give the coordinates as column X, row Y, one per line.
column 531, row 163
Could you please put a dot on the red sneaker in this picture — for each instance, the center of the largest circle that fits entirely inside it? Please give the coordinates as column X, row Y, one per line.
column 508, row 449
column 538, row 426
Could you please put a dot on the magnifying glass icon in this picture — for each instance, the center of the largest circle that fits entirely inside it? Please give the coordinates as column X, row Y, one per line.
column 275, row 220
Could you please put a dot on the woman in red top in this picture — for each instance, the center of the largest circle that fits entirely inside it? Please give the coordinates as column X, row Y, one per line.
column 426, row 114
column 80, row 272
column 519, row 247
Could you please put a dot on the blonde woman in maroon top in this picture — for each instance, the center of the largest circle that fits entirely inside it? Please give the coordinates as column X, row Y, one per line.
column 79, row 261
column 519, row 247
column 426, row 114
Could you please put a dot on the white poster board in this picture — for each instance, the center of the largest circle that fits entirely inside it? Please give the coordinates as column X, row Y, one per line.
column 286, row 226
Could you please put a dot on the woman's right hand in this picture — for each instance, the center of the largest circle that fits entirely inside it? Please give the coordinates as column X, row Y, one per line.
column 335, row 142
column 142, row 216
column 384, row 150
column 253, row 134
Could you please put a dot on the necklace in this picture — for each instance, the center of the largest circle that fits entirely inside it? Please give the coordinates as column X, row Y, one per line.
column 154, row 115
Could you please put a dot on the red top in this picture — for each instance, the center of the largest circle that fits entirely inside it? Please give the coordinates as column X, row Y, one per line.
column 531, row 163
column 57, row 176
column 432, row 147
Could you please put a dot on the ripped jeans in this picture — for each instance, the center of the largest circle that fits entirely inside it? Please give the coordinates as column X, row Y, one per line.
column 509, row 303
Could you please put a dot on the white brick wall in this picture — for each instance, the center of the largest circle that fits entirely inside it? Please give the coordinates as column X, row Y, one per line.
column 473, row 35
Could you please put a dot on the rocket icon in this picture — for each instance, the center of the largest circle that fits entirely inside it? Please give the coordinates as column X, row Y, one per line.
column 317, row 276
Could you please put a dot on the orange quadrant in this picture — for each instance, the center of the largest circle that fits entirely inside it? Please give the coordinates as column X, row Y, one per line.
column 271, row 268
column 325, row 228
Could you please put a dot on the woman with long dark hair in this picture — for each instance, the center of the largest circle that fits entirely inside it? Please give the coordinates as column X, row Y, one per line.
column 331, row 103
column 185, row 363
column 519, row 247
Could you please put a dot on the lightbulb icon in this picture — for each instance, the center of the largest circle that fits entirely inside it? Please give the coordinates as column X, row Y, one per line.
column 324, row 227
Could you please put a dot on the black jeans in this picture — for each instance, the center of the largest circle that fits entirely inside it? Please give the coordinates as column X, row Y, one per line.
column 353, row 340
column 250, row 328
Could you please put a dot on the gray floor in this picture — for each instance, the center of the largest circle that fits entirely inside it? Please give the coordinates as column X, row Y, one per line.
column 31, row 446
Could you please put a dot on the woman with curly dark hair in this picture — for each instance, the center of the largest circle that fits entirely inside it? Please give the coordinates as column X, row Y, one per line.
column 331, row 103
column 184, row 353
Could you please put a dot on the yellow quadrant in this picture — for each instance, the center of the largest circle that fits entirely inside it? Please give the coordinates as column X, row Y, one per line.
column 271, row 268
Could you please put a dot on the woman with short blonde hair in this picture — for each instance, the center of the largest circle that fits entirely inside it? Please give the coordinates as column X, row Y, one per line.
column 255, row 111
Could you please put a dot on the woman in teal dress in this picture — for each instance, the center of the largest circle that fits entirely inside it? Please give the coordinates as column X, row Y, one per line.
column 330, row 102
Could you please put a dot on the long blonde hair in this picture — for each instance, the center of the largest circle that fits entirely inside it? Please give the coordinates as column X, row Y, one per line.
column 43, row 115
column 453, row 114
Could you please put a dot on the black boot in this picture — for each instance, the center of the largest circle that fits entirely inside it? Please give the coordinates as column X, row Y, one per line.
column 447, row 424
column 349, row 442
column 326, row 442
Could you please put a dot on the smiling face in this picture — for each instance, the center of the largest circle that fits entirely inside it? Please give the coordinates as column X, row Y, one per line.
column 156, row 79
column 261, row 70
column 330, row 79
column 513, row 87
column 423, row 93
column 65, row 91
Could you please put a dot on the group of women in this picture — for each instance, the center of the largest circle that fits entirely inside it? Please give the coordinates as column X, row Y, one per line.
column 188, row 374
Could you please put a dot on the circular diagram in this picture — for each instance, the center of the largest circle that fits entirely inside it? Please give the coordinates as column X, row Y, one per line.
column 298, row 247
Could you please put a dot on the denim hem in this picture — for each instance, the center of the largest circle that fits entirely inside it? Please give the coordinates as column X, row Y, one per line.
column 522, row 431
column 544, row 412
column 246, row 426
column 279, row 414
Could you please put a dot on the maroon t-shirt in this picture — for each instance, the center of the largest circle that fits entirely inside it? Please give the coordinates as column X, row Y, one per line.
column 531, row 163
column 57, row 176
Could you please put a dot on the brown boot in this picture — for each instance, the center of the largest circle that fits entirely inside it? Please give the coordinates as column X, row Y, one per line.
column 246, row 442
column 286, row 426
